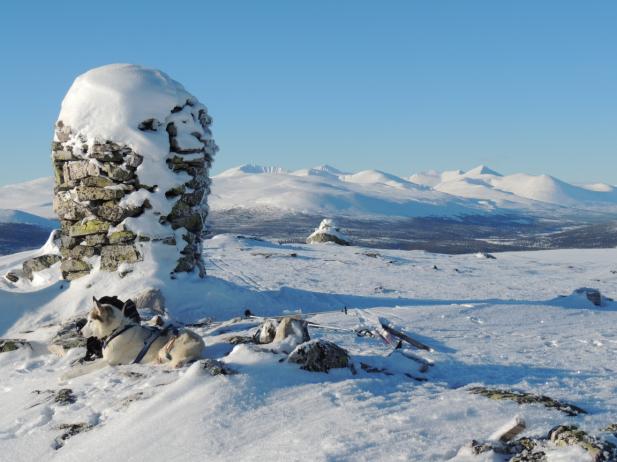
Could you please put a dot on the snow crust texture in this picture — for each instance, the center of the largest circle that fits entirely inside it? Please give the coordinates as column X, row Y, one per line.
column 500, row 324
column 131, row 154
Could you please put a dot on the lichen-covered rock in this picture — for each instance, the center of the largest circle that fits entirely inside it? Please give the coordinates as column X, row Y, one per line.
column 571, row 435
column 64, row 397
column 118, row 237
column 93, row 193
column 528, row 398
column 612, row 428
column 68, row 431
column 526, row 450
column 12, row 344
column 89, row 227
column 74, row 266
column 539, row 449
column 213, row 367
column 75, row 275
column 68, row 337
column 78, row 252
column 76, row 170
column 35, row 264
column 319, row 356
column 113, row 255
column 11, row 277
column 67, row 209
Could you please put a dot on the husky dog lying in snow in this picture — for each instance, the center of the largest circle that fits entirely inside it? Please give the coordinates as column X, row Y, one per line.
column 125, row 341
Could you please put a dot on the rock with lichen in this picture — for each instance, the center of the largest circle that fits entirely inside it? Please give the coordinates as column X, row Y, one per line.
column 527, row 398
column 319, row 356
column 12, row 344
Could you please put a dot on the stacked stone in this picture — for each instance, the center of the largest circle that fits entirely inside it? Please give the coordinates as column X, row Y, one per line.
column 92, row 178
column 191, row 152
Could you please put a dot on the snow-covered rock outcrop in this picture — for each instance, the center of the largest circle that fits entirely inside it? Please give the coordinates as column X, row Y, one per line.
column 328, row 232
column 131, row 154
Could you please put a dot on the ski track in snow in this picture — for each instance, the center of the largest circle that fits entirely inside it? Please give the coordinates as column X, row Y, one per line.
column 492, row 322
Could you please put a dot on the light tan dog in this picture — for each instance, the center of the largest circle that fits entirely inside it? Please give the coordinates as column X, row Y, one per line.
column 126, row 342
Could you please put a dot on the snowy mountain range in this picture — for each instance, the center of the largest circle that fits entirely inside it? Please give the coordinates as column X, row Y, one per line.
column 325, row 190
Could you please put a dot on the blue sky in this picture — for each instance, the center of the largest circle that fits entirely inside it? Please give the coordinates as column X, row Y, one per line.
column 400, row 86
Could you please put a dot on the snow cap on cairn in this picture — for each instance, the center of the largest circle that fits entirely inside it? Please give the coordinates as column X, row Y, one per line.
column 131, row 153
column 109, row 102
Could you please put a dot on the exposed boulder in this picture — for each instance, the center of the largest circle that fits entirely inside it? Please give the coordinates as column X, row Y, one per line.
column 593, row 295
column 539, row 449
column 12, row 344
column 64, row 397
column 213, row 367
column 35, row 264
column 68, row 337
column 68, row 431
column 521, row 397
column 319, row 356
column 11, row 277
column 328, row 232
column 571, row 435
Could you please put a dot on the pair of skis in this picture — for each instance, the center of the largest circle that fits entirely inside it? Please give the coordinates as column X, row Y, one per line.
column 384, row 329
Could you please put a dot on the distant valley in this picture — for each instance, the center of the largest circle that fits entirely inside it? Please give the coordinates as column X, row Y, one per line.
column 447, row 212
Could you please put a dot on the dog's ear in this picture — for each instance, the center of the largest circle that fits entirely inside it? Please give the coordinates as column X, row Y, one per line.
column 100, row 311
column 129, row 309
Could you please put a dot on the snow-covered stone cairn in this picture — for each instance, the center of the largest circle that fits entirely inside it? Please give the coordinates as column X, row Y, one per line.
column 131, row 154
column 328, row 232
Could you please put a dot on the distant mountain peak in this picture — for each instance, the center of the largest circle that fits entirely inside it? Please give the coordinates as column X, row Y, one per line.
column 482, row 170
column 248, row 169
column 328, row 169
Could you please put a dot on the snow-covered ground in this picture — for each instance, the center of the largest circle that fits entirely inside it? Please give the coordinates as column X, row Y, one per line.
column 495, row 322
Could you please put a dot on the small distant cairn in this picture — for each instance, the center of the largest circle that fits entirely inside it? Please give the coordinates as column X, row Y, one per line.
column 328, row 232
column 102, row 184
